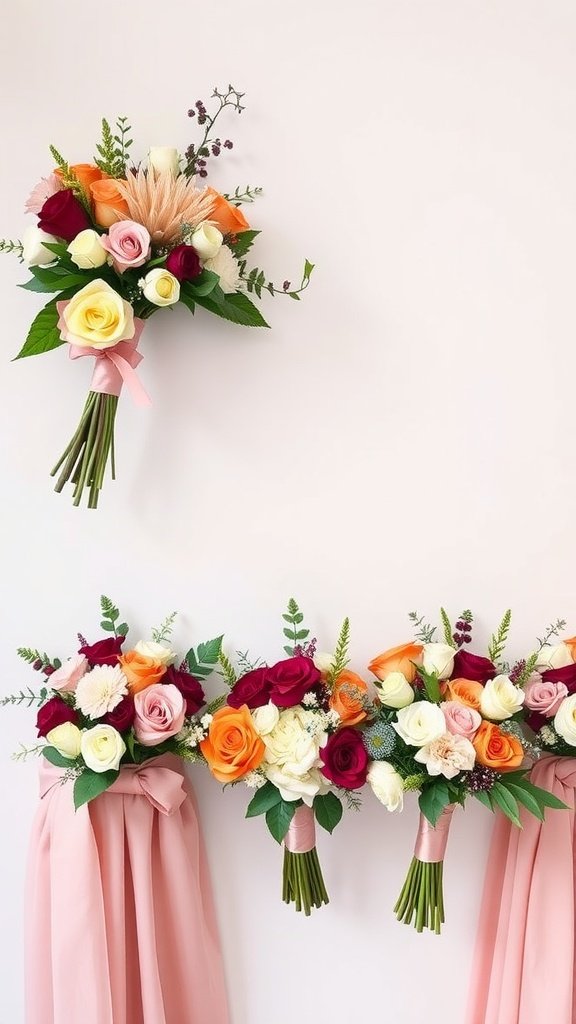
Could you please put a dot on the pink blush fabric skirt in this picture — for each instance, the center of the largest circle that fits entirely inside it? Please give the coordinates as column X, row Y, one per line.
column 120, row 921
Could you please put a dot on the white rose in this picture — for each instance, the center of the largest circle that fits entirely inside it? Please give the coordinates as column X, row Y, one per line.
column 565, row 720
column 387, row 785
column 395, row 691
column 265, row 718
column 438, row 659
column 448, row 756
column 207, row 240
column 420, row 723
column 87, row 251
column 554, row 656
column 160, row 287
column 67, row 739
column 501, row 699
column 323, row 662
column 164, row 158
column 34, row 253
column 290, row 745
column 159, row 652
column 226, row 266
column 102, row 748
column 295, row 786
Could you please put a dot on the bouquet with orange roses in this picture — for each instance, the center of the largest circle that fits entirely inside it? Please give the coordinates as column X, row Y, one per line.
column 449, row 724
column 290, row 731
column 106, row 707
column 114, row 242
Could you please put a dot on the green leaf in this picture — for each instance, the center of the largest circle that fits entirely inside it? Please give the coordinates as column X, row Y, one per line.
column 545, row 799
column 328, row 811
column 122, row 629
column 484, row 798
column 55, row 757
column 187, row 300
column 205, row 283
column 506, row 802
column 209, row 652
column 279, row 816
column 448, row 637
column 433, row 800
column 244, row 242
column 308, row 268
column 524, row 797
column 264, row 798
column 236, row 307
column 431, row 684
column 53, row 282
column 90, row 784
column 44, row 335
column 108, row 627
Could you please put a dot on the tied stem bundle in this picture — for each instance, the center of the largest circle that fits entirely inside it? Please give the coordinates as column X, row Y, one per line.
column 85, row 459
column 421, row 900
column 302, row 882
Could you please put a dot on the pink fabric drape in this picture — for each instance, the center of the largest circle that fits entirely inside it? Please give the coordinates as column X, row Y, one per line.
column 120, row 921
column 523, row 971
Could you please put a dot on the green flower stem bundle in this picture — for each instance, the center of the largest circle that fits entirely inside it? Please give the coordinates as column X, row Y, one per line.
column 302, row 881
column 422, row 897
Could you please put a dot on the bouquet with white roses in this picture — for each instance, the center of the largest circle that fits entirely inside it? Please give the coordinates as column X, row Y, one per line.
column 550, row 693
column 449, row 725
column 116, row 241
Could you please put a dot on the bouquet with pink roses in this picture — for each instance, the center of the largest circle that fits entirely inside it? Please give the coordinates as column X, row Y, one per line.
column 116, row 241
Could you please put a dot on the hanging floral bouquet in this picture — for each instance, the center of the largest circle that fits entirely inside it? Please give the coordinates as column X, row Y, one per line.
column 114, row 242
column 289, row 731
column 104, row 708
column 550, row 693
column 449, row 725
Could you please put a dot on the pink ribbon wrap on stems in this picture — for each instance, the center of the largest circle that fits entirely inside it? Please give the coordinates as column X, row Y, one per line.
column 120, row 924
column 524, row 962
column 116, row 366
column 301, row 834
column 432, row 840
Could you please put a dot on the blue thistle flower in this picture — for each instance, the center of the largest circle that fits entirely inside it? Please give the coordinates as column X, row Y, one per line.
column 379, row 740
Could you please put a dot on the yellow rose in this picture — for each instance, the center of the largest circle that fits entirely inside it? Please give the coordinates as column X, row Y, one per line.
column 67, row 739
column 161, row 287
column 87, row 251
column 97, row 317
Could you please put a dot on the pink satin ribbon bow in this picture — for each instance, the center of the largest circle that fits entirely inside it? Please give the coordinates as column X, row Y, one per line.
column 116, row 366
column 163, row 787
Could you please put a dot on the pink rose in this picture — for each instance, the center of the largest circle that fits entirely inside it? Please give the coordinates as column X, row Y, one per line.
column 544, row 697
column 460, row 719
column 45, row 188
column 160, row 711
column 128, row 244
column 66, row 678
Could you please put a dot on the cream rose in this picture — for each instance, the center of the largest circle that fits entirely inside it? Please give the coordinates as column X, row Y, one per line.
column 67, row 740
column 387, row 785
column 565, row 720
column 158, row 652
column 225, row 264
column 295, row 785
column 500, row 699
column 438, row 659
column 420, row 723
column 96, row 317
column 87, row 251
column 395, row 691
column 554, row 656
column 290, row 745
column 164, row 158
column 207, row 240
column 160, row 287
column 34, row 253
column 102, row 748
column 265, row 718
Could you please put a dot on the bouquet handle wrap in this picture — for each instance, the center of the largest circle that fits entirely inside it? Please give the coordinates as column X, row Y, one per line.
column 301, row 835
column 432, row 840
column 302, row 882
column 116, row 366
column 524, row 967
column 120, row 925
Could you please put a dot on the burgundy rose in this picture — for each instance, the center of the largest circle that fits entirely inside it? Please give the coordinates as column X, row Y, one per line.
column 345, row 759
column 566, row 675
column 189, row 686
column 471, row 666
column 291, row 679
column 103, row 652
column 54, row 712
column 184, row 263
column 252, row 689
column 63, row 215
column 122, row 717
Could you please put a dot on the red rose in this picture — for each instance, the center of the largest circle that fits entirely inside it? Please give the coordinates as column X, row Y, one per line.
column 345, row 759
column 184, row 263
column 471, row 666
column 253, row 689
column 104, row 652
column 566, row 675
column 54, row 712
column 122, row 717
column 189, row 686
column 63, row 215
column 291, row 679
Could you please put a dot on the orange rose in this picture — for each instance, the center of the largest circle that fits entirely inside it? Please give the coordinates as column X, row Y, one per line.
column 233, row 747
column 466, row 691
column 109, row 206
column 87, row 174
column 497, row 749
column 140, row 671
column 225, row 216
column 571, row 643
column 397, row 659
column 348, row 698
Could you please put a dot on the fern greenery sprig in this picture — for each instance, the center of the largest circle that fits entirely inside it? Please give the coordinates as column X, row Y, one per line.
column 529, row 666
column 114, row 149
column 228, row 672
column 164, row 631
column 353, row 798
column 340, row 659
column 110, row 616
column 69, row 179
column 25, row 752
column 255, row 281
column 25, row 697
column 12, row 245
column 215, row 704
column 422, row 629
column 38, row 659
column 246, row 662
column 294, row 617
column 244, row 195
column 448, row 631
column 554, row 629
column 499, row 638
